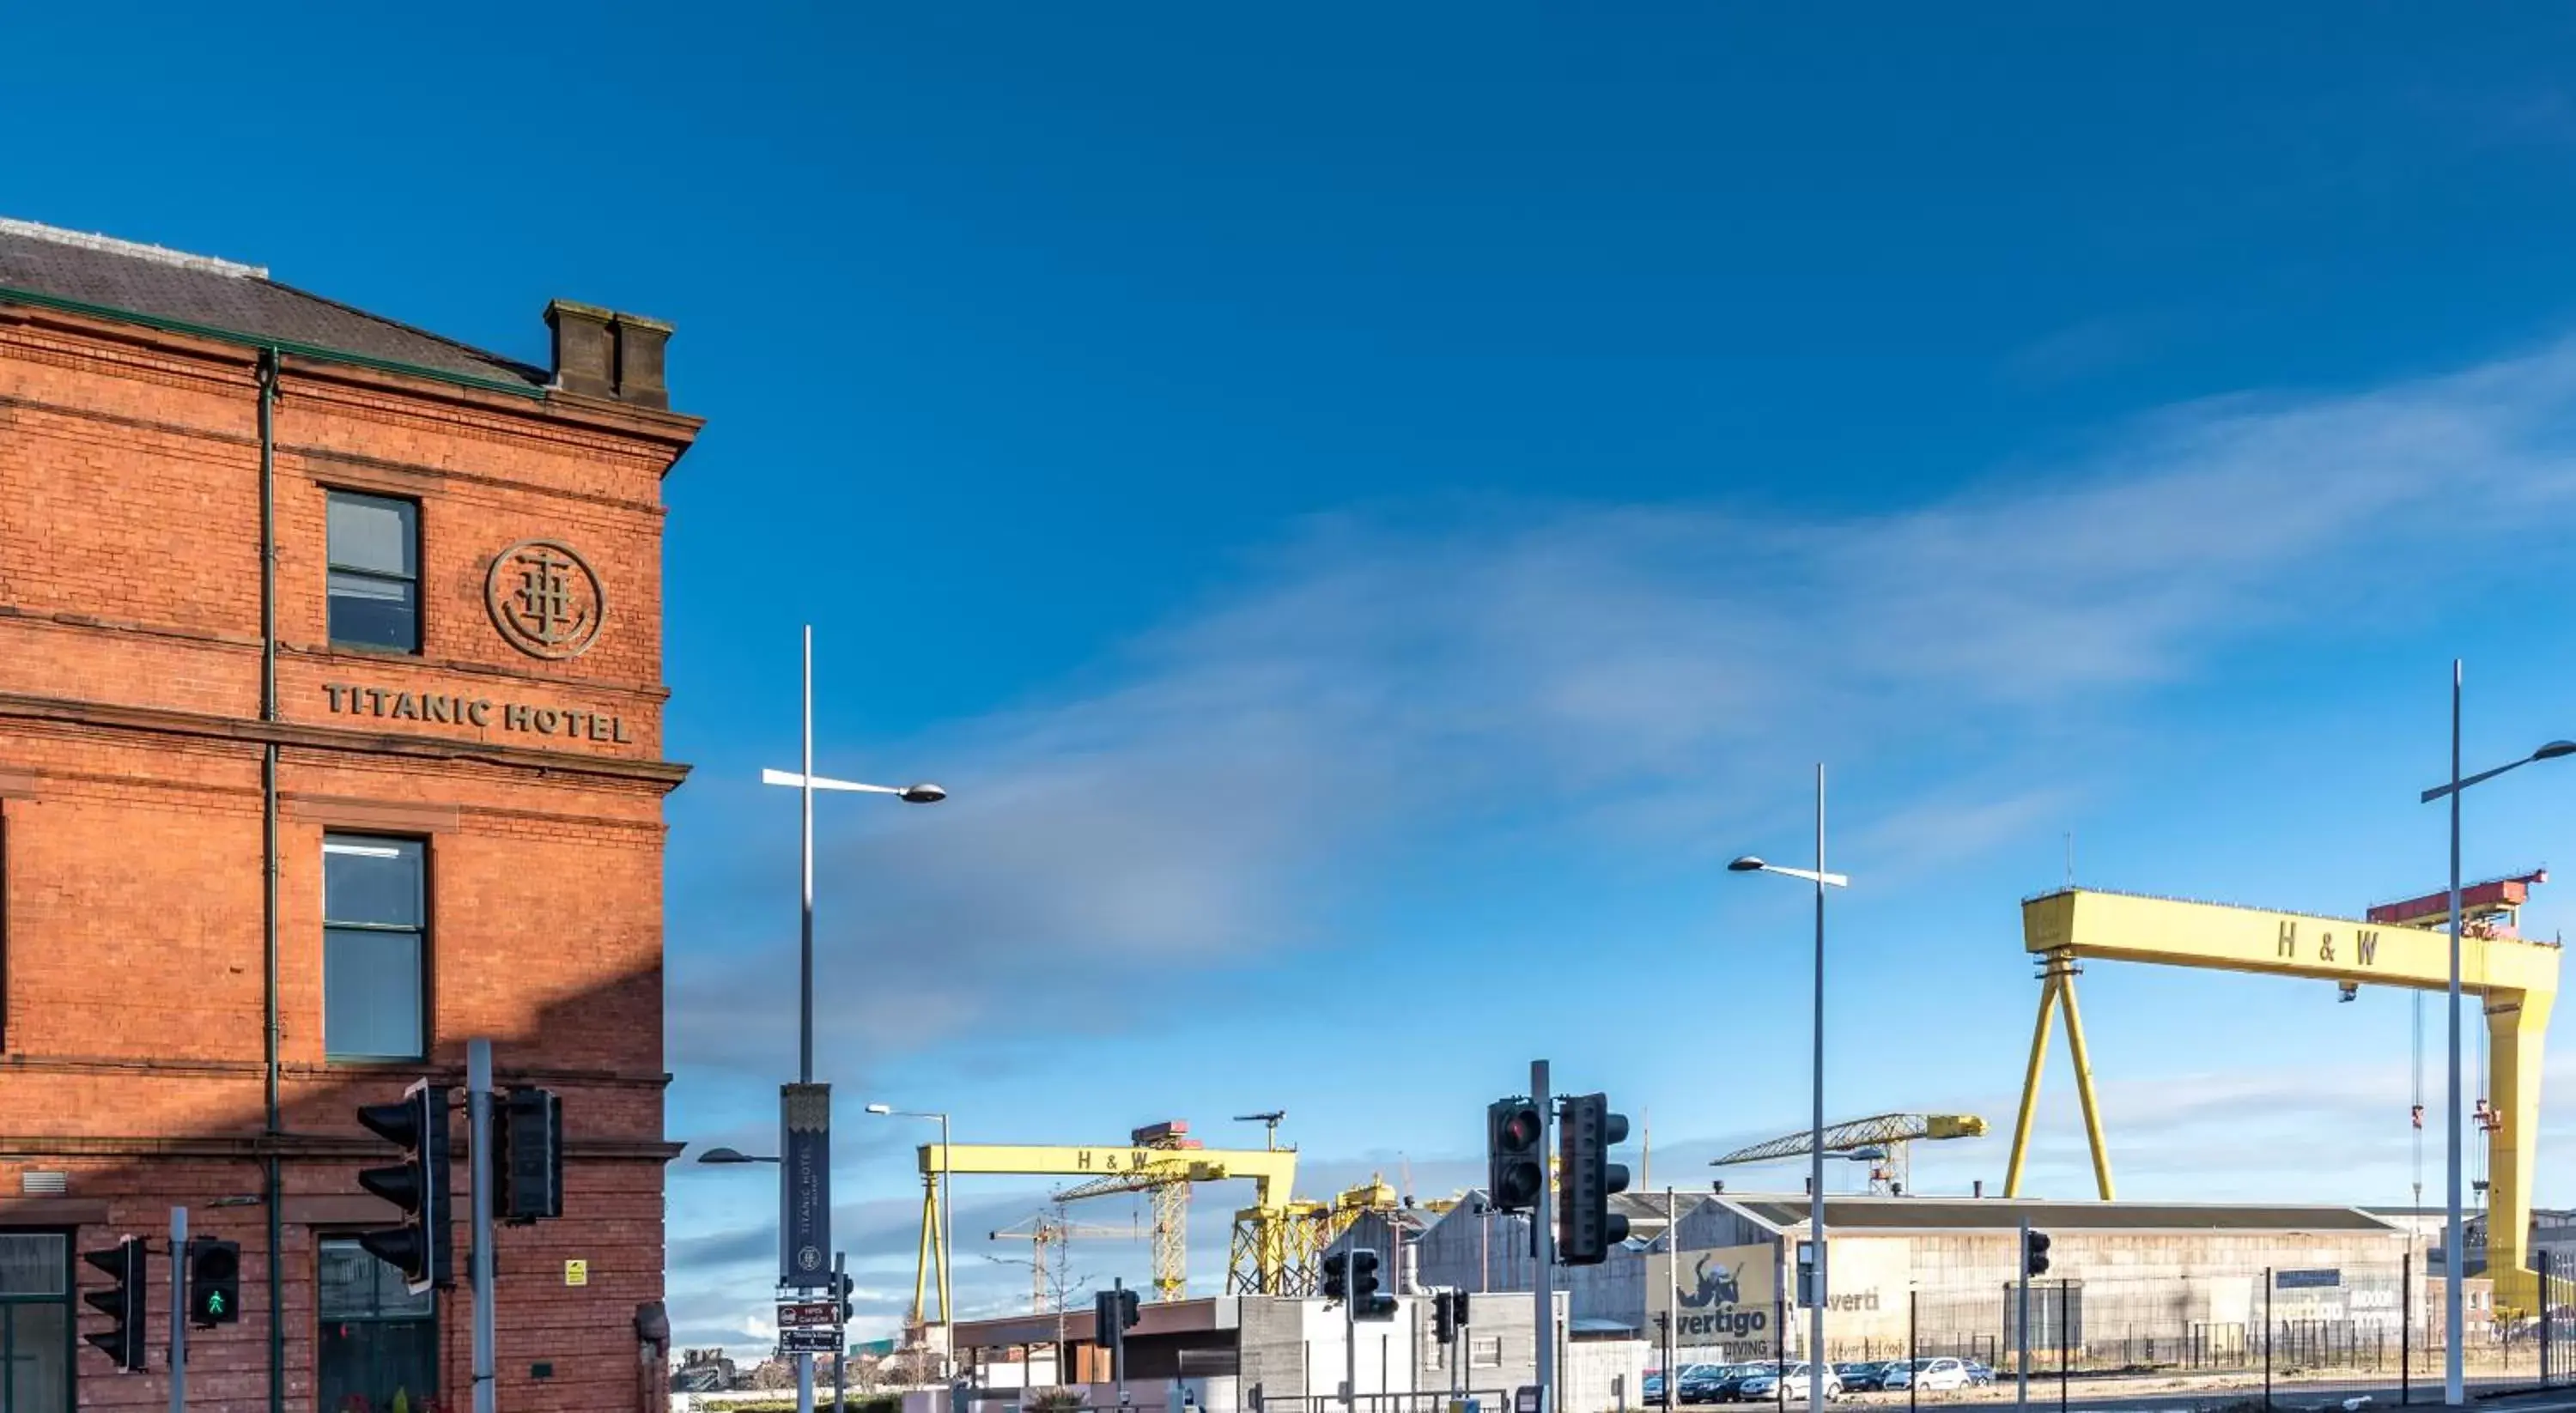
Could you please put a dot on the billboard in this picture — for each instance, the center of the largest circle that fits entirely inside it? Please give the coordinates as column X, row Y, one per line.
column 1721, row 1300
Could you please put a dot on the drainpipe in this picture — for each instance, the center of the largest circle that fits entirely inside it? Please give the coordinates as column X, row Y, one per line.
column 269, row 865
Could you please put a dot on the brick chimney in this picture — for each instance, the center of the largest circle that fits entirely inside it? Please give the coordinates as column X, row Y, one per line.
column 639, row 359
column 602, row 353
column 585, row 355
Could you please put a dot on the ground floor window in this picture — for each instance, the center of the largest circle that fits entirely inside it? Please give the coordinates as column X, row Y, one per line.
column 379, row 1342
column 35, row 1322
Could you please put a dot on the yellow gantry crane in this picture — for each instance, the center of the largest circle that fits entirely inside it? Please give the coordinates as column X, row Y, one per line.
column 1155, row 1158
column 2516, row 977
column 1891, row 1136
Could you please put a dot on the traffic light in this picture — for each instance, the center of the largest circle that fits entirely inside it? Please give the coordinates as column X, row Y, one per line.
column 1444, row 1317
column 1337, row 1276
column 1366, row 1303
column 843, row 1286
column 1586, row 1228
column 1514, row 1174
column 531, row 1165
column 419, row 1248
column 2034, row 1253
column 214, row 1282
column 1458, row 1307
column 125, row 1300
column 1127, row 1313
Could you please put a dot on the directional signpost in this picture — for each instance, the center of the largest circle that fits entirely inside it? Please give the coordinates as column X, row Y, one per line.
column 809, row 1340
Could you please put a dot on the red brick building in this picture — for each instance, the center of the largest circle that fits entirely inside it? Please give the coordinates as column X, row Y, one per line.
column 279, row 833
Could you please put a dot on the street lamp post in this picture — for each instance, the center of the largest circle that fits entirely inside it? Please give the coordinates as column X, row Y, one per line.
column 1816, row 1366
column 2454, row 1322
column 806, row 782
column 947, row 1251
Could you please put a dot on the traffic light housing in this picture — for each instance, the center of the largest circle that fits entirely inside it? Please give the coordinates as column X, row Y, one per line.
column 1127, row 1312
column 417, row 1186
column 1515, row 1171
column 1366, row 1302
column 128, row 1267
column 1337, row 1276
column 531, row 1165
column 2034, row 1253
column 842, row 1288
column 214, row 1282
column 1444, row 1317
column 1586, row 1228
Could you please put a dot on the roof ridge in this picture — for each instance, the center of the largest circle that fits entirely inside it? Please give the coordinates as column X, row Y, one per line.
column 135, row 249
column 528, row 370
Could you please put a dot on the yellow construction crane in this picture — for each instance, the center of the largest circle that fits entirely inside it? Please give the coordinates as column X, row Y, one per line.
column 1047, row 1231
column 2517, row 977
column 1149, row 1162
column 1885, row 1139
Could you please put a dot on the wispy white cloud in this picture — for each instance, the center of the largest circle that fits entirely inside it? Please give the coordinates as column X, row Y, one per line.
column 1378, row 680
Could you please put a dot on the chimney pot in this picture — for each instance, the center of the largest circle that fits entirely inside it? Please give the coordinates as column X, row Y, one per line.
column 639, row 360
column 585, row 358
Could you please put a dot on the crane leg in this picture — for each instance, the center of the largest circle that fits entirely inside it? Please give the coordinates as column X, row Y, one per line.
column 2516, row 1025
column 921, row 1264
column 2084, row 1085
column 2030, row 1083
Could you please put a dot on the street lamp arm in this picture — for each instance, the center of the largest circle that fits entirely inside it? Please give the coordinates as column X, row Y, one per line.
column 1830, row 880
column 793, row 780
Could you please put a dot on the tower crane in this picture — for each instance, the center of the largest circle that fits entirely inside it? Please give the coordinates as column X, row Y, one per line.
column 1884, row 1140
column 1050, row 1229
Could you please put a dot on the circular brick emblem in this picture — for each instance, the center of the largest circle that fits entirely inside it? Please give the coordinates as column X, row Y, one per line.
column 545, row 599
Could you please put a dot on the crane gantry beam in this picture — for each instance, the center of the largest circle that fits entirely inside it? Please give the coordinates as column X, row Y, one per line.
column 1135, row 1166
column 1889, row 1131
column 2517, row 977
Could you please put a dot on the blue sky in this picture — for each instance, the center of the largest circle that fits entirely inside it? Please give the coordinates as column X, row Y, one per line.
column 1368, row 511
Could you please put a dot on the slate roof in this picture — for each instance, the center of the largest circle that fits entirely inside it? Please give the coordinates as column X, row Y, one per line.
column 218, row 294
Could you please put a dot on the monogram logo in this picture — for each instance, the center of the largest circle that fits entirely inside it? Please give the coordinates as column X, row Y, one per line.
column 545, row 599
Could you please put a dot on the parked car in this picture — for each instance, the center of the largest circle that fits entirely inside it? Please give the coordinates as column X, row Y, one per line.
column 1651, row 1389
column 1727, row 1385
column 1703, row 1383
column 1791, row 1385
column 1978, row 1372
column 1864, row 1377
column 1936, row 1375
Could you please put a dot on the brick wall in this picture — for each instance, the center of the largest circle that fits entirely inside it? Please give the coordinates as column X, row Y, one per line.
column 132, row 975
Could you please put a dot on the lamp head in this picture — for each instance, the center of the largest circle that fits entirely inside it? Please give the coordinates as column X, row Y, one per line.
column 2554, row 750
column 929, row 794
column 723, row 1155
column 1750, row 863
column 880, row 1108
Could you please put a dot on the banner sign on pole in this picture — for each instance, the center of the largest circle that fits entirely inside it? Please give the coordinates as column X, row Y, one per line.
column 805, row 1129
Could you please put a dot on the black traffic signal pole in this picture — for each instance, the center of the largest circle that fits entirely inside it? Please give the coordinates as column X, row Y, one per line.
column 478, row 1122
column 179, row 1309
column 1118, row 1337
column 1543, row 1247
column 2021, row 1360
column 841, row 1335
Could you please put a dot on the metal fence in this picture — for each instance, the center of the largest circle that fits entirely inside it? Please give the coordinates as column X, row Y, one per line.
column 2377, row 1322
column 1488, row 1400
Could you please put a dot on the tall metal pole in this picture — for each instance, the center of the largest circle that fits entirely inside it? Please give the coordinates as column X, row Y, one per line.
column 2021, row 1341
column 1543, row 1243
column 478, row 1125
column 1816, row 1136
column 840, row 1335
column 805, row 975
column 2454, row 1393
column 1350, row 1338
column 947, row 1258
column 179, row 1310
column 1672, row 1300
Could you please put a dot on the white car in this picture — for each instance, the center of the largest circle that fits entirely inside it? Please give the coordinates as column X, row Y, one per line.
column 1930, row 1375
column 1791, row 1385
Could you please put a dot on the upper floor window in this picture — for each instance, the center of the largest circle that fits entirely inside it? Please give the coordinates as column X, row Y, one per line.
column 375, row 571
column 374, row 948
